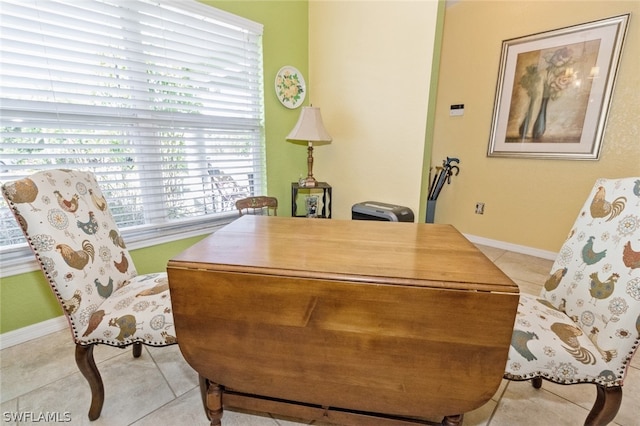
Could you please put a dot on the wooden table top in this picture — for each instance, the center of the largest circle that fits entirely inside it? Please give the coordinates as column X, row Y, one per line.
column 425, row 255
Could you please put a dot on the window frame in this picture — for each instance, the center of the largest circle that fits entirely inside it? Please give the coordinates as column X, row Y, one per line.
column 17, row 259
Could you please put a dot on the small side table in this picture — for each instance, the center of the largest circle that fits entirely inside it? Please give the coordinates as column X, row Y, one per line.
column 326, row 198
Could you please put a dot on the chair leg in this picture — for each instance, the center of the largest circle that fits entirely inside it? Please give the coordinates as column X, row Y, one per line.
column 606, row 407
column 137, row 350
column 87, row 366
column 536, row 382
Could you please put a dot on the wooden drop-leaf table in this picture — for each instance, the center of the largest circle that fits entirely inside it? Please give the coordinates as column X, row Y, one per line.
column 348, row 322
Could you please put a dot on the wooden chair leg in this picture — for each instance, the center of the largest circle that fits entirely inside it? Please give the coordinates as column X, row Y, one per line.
column 137, row 350
column 607, row 404
column 536, row 382
column 87, row 366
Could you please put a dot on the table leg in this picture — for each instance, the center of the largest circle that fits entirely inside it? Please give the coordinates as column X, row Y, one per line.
column 455, row 420
column 212, row 400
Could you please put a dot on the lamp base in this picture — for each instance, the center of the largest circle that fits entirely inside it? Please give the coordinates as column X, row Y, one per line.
column 310, row 182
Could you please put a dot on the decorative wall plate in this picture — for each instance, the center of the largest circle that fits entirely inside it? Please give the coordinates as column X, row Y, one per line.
column 290, row 87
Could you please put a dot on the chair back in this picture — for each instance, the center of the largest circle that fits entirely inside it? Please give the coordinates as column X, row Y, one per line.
column 260, row 205
column 74, row 237
column 595, row 279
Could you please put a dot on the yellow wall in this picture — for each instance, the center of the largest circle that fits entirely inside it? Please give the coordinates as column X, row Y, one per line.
column 528, row 202
column 369, row 72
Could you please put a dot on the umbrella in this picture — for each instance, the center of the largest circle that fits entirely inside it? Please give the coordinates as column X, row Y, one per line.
column 443, row 174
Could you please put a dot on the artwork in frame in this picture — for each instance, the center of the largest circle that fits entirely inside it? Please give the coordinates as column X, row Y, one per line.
column 554, row 90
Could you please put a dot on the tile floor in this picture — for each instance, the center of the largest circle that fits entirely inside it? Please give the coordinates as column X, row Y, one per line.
column 159, row 388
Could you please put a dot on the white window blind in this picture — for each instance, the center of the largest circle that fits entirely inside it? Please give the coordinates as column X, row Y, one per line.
column 163, row 100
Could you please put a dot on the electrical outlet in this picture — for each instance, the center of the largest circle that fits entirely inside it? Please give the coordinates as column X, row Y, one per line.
column 479, row 208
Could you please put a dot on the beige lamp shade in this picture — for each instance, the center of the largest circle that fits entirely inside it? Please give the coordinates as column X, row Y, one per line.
column 310, row 127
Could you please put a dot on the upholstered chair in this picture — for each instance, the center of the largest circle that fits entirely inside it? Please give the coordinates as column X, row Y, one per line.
column 69, row 227
column 584, row 327
column 260, row 205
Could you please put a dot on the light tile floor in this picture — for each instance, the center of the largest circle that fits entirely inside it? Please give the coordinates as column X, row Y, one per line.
column 41, row 377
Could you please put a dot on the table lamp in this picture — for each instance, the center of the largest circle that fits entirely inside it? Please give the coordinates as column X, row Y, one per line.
column 311, row 129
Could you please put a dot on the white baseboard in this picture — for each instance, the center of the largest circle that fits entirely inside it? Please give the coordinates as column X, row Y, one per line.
column 544, row 254
column 43, row 328
column 30, row 332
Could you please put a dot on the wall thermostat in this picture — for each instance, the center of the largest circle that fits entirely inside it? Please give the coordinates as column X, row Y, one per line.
column 457, row 109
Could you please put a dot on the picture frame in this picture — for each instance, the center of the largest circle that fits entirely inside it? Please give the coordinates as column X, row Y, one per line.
column 554, row 90
column 311, row 204
column 290, row 86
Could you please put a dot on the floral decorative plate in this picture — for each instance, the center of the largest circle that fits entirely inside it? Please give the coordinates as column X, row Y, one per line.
column 290, row 87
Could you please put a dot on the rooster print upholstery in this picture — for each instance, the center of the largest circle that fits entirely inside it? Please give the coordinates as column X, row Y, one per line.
column 586, row 317
column 73, row 234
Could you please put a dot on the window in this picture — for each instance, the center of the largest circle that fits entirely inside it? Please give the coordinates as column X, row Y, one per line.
column 162, row 100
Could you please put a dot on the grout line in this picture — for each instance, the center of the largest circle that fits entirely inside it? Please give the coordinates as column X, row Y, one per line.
column 498, row 402
column 280, row 422
column 163, row 406
column 164, row 377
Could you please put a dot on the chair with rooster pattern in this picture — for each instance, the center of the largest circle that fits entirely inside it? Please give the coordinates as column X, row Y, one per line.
column 584, row 327
column 75, row 239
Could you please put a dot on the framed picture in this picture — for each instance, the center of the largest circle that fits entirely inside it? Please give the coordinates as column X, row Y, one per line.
column 554, row 90
column 312, row 205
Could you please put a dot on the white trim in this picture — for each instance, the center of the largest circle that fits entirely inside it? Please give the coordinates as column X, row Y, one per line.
column 544, row 254
column 30, row 332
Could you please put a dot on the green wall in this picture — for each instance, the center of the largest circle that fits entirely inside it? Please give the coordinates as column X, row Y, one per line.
column 431, row 112
column 26, row 299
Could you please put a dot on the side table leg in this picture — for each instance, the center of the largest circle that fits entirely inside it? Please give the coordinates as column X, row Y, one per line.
column 324, row 203
column 329, row 202
column 294, row 204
